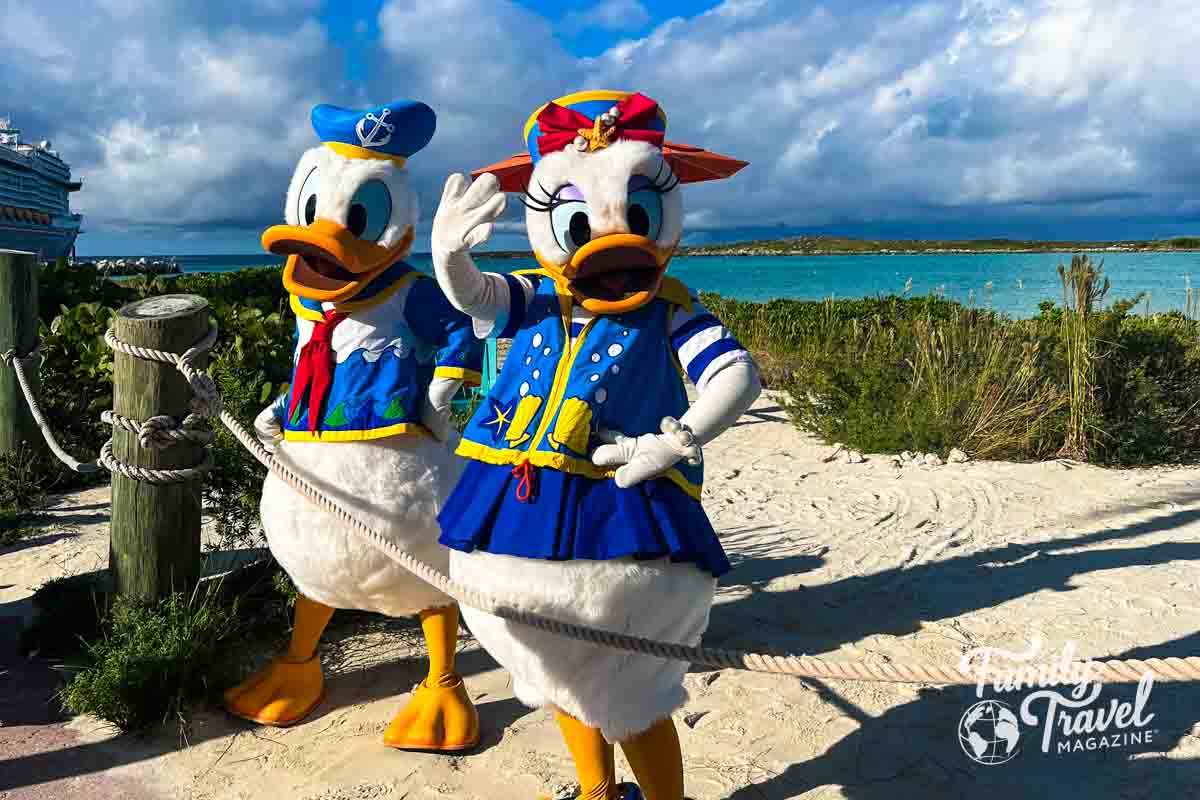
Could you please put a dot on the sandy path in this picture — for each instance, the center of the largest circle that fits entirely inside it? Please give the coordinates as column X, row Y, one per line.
column 865, row 561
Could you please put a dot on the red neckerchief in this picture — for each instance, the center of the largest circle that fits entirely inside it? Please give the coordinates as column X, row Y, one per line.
column 314, row 372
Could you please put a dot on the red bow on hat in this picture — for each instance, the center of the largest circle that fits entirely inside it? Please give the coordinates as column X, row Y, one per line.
column 559, row 126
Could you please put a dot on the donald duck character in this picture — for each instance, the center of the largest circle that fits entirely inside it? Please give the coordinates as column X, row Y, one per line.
column 380, row 353
column 581, row 497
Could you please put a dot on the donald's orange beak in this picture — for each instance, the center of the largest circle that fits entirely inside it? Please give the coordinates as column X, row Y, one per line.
column 615, row 273
column 328, row 263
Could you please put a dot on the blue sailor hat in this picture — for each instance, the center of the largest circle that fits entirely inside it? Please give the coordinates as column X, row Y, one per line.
column 393, row 131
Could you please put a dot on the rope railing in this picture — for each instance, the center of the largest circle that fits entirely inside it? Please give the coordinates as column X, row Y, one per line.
column 158, row 432
column 207, row 403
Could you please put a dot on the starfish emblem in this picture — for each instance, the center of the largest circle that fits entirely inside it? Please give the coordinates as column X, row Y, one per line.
column 500, row 420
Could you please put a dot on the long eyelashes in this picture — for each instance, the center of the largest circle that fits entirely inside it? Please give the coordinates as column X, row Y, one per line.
column 548, row 201
column 545, row 204
column 663, row 183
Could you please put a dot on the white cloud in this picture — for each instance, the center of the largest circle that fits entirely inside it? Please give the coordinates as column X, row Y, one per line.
column 876, row 110
column 609, row 15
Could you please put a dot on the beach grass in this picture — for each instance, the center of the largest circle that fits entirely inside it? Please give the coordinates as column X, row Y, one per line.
column 925, row 374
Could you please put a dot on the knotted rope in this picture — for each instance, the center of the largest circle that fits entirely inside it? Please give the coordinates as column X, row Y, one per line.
column 207, row 399
column 158, row 432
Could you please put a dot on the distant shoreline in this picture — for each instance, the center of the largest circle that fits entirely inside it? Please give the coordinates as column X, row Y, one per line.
column 836, row 246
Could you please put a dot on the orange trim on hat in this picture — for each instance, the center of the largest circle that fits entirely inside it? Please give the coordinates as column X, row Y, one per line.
column 690, row 164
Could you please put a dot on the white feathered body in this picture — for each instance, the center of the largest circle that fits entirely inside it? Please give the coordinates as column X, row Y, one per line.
column 620, row 693
column 397, row 485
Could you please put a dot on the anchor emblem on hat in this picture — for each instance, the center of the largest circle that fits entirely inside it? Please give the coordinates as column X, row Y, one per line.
column 373, row 139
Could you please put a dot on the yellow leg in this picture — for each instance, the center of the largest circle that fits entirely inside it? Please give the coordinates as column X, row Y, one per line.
column 593, row 756
column 440, row 715
column 656, row 761
column 289, row 688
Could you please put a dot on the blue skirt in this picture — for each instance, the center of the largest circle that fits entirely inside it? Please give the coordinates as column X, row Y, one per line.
column 576, row 517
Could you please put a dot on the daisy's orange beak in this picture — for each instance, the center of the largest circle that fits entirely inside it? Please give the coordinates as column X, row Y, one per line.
column 328, row 263
column 615, row 273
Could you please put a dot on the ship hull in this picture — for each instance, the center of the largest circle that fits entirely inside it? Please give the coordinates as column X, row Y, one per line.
column 48, row 243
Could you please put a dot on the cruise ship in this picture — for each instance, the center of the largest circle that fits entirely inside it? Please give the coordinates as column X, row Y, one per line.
column 35, row 187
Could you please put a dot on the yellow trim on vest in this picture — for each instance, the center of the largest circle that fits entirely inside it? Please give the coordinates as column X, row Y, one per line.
column 354, row 151
column 305, row 313
column 459, row 373
column 355, row 305
column 562, row 374
column 561, row 462
column 582, row 97
column 675, row 291
column 380, row 297
column 413, row 428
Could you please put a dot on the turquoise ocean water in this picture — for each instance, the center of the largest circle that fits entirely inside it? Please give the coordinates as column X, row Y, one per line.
column 1010, row 282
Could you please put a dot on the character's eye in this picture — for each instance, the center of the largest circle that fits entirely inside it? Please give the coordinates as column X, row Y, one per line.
column 306, row 206
column 370, row 211
column 644, row 213
column 572, row 228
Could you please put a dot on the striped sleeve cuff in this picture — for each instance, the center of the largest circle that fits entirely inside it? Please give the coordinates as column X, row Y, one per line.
column 703, row 345
column 519, row 290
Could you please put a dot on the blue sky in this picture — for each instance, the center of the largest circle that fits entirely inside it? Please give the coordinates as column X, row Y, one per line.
column 933, row 118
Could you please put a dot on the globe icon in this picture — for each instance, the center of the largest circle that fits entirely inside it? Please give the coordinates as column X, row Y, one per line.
column 988, row 733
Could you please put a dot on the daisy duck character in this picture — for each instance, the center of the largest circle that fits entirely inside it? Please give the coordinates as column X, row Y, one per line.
column 581, row 496
column 380, row 353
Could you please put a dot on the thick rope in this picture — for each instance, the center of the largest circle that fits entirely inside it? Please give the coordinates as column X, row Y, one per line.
column 1169, row 669
column 18, row 364
column 158, row 432
column 162, row 431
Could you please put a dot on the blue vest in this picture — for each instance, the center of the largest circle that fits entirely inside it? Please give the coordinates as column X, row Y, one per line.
column 399, row 333
column 551, row 397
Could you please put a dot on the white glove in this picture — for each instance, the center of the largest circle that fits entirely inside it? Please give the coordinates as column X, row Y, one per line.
column 436, row 411
column 267, row 426
column 647, row 456
column 465, row 218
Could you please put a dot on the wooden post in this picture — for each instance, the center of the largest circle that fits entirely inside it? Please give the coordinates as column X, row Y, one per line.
column 155, row 542
column 18, row 331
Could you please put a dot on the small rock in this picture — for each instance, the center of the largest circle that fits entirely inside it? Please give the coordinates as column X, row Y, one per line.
column 731, row 474
column 932, row 460
column 908, row 457
column 854, row 457
column 958, row 457
column 691, row 719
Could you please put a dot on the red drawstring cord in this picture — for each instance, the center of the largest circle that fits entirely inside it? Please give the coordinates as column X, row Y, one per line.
column 525, row 475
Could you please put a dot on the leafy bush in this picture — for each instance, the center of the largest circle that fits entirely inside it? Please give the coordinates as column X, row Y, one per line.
column 153, row 662
column 888, row 384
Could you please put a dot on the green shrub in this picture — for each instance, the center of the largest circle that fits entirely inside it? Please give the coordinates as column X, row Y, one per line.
column 154, row 662
column 893, row 384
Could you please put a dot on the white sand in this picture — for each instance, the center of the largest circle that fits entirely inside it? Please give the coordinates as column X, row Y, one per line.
column 863, row 561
